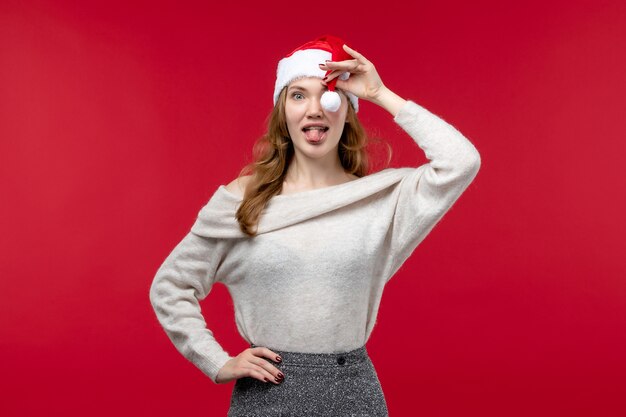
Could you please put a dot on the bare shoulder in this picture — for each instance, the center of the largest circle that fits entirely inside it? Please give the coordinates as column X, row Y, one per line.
column 238, row 185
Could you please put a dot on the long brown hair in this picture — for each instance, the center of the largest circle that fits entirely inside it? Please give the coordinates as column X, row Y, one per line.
column 273, row 152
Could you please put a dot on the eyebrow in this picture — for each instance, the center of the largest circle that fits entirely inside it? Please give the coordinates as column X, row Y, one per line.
column 297, row 87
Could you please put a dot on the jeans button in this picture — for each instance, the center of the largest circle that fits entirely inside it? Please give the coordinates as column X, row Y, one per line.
column 341, row 360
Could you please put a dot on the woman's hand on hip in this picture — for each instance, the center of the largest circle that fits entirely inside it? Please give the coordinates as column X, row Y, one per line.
column 251, row 363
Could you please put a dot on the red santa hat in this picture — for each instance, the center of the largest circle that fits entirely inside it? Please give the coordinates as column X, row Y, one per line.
column 304, row 62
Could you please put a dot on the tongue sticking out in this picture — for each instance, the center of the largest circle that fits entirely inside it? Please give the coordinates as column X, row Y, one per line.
column 314, row 135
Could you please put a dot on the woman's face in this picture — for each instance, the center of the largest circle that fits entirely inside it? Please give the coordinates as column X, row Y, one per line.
column 303, row 108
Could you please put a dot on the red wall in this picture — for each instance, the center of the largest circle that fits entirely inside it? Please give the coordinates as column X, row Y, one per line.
column 118, row 121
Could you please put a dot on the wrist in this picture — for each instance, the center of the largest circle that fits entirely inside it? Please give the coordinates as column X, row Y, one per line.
column 389, row 100
column 380, row 95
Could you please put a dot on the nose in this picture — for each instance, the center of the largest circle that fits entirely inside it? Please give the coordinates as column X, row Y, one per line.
column 315, row 108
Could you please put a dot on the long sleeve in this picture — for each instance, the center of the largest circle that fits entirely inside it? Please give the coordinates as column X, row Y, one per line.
column 186, row 277
column 429, row 191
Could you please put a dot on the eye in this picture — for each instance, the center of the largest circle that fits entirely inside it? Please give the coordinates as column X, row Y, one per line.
column 296, row 94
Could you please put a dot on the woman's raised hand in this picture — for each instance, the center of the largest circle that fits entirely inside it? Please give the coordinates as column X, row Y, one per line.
column 364, row 81
column 250, row 363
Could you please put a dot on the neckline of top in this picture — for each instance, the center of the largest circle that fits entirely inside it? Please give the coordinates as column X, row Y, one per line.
column 305, row 193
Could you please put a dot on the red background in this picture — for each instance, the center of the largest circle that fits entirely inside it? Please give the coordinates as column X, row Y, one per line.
column 119, row 120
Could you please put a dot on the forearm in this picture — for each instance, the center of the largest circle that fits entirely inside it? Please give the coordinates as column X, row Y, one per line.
column 450, row 153
column 429, row 191
column 186, row 277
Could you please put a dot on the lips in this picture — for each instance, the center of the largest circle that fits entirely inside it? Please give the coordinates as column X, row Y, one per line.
column 319, row 125
column 315, row 133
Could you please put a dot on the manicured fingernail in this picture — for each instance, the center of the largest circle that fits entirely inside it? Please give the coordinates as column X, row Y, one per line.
column 267, row 380
column 280, row 375
column 278, row 358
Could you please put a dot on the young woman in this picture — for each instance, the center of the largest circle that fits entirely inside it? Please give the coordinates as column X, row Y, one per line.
column 306, row 243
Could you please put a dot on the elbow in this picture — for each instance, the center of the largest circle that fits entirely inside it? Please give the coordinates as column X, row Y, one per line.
column 152, row 296
column 471, row 163
column 464, row 163
column 160, row 299
column 465, row 169
column 475, row 162
column 154, row 292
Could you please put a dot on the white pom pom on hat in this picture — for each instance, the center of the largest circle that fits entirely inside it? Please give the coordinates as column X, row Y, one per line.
column 304, row 62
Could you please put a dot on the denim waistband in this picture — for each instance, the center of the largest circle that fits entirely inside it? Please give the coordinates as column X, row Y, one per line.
column 320, row 359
